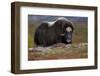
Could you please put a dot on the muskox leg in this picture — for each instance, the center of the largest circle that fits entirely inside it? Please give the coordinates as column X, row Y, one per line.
column 41, row 35
column 40, row 38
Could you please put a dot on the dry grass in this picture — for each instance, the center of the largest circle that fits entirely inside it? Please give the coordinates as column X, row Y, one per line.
column 72, row 52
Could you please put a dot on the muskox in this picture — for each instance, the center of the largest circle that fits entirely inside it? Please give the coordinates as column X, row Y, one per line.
column 58, row 31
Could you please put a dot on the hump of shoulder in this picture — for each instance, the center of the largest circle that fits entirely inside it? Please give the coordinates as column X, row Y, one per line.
column 48, row 23
column 63, row 19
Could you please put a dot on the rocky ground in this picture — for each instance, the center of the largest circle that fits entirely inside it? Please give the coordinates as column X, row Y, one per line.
column 59, row 51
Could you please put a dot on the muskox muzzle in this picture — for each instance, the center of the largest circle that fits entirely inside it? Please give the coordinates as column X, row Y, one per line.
column 68, row 37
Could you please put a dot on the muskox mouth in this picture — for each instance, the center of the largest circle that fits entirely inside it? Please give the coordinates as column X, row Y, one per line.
column 68, row 40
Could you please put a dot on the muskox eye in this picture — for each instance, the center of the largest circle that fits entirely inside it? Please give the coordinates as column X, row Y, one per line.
column 68, row 29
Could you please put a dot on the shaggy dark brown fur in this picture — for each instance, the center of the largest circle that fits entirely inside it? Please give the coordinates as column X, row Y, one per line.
column 46, row 35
